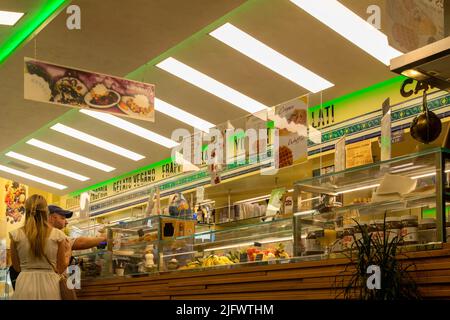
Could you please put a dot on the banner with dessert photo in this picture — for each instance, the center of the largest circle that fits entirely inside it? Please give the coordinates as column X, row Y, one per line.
column 290, row 118
column 46, row 82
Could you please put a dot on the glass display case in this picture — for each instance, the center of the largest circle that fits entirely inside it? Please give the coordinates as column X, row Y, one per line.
column 6, row 289
column 406, row 196
column 135, row 245
column 258, row 243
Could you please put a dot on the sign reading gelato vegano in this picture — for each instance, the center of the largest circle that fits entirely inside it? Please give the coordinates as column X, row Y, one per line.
column 45, row 82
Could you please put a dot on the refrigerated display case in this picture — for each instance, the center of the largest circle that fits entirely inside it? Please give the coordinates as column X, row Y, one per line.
column 257, row 243
column 405, row 197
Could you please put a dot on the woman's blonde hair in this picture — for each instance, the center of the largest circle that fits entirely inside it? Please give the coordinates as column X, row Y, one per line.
column 36, row 227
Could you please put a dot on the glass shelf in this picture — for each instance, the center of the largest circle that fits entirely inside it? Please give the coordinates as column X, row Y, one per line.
column 413, row 165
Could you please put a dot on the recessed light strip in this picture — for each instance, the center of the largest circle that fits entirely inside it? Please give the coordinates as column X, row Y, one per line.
column 47, row 166
column 131, row 128
column 181, row 115
column 70, row 155
column 97, row 142
column 268, row 57
column 352, row 27
column 9, row 18
column 33, row 178
column 210, row 85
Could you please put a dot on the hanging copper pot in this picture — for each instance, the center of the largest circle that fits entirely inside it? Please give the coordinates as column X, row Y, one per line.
column 426, row 127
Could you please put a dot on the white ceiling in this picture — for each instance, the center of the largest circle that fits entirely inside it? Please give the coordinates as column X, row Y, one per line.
column 118, row 37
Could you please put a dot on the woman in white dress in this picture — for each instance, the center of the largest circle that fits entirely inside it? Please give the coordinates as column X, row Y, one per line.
column 31, row 248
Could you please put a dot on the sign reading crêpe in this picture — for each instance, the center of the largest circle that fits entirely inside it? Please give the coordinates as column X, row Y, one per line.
column 46, row 82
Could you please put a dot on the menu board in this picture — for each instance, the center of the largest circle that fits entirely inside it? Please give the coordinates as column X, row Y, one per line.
column 358, row 154
column 47, row 82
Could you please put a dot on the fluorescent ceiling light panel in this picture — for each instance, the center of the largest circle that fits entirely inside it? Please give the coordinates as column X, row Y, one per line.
column 210, row 85
column 352, row 27
column 47, row 166
column 181, row 115
column 275, row 61
column 70, row 155
column 31, row 177
column 131, row 127
column 9, row 18
column 97, row 142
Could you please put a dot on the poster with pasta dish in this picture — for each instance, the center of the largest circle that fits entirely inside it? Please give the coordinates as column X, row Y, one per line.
column 47, row 82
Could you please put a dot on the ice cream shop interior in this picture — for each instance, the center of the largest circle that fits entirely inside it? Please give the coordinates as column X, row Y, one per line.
column 227, row 149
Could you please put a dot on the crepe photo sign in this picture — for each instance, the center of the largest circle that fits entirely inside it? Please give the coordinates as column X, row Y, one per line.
column 46, row 82
column 290, row 118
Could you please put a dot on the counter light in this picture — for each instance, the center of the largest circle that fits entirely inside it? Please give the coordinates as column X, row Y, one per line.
column 359, row 188
column 268, row 57
column 131, row 128
column 352, row 27
column 70, row 155
column 33, row 178
column 10, row 18
column 246, row 244
column 210, row 85
column 183, row 116
column 47, row 166
column 97, row 142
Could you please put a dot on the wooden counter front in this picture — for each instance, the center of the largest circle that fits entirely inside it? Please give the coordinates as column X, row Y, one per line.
column 302, row 280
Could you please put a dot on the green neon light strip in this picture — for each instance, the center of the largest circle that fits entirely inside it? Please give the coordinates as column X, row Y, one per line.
column 357, row 94
column 112, row 180
column 32, row 24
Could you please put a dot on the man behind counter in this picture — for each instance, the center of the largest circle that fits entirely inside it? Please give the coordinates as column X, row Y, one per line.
column 58, row 219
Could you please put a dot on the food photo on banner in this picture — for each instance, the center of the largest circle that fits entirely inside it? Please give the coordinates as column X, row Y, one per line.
column 46, row 82
column 291, row 119
column 15, row 195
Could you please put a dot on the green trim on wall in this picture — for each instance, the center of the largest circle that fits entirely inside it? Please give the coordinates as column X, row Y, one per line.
column 357, row 94
column 112, row 180
column 32, row 24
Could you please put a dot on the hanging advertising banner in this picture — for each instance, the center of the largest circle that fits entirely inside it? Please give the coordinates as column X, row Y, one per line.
column 46, row 82
column 291, row 119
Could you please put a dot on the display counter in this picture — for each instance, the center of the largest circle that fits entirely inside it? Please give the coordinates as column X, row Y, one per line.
column 300, row 280
column 297, row 255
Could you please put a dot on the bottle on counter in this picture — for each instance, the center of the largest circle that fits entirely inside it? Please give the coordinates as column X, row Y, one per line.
column 149, row 257
column 313, row 243
column 427, row 231
column 393, row 228
column 337, row 246
column 347, row 239
column 409, row 230
column 447, row 228
column 357, row 231
column 379, row 225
